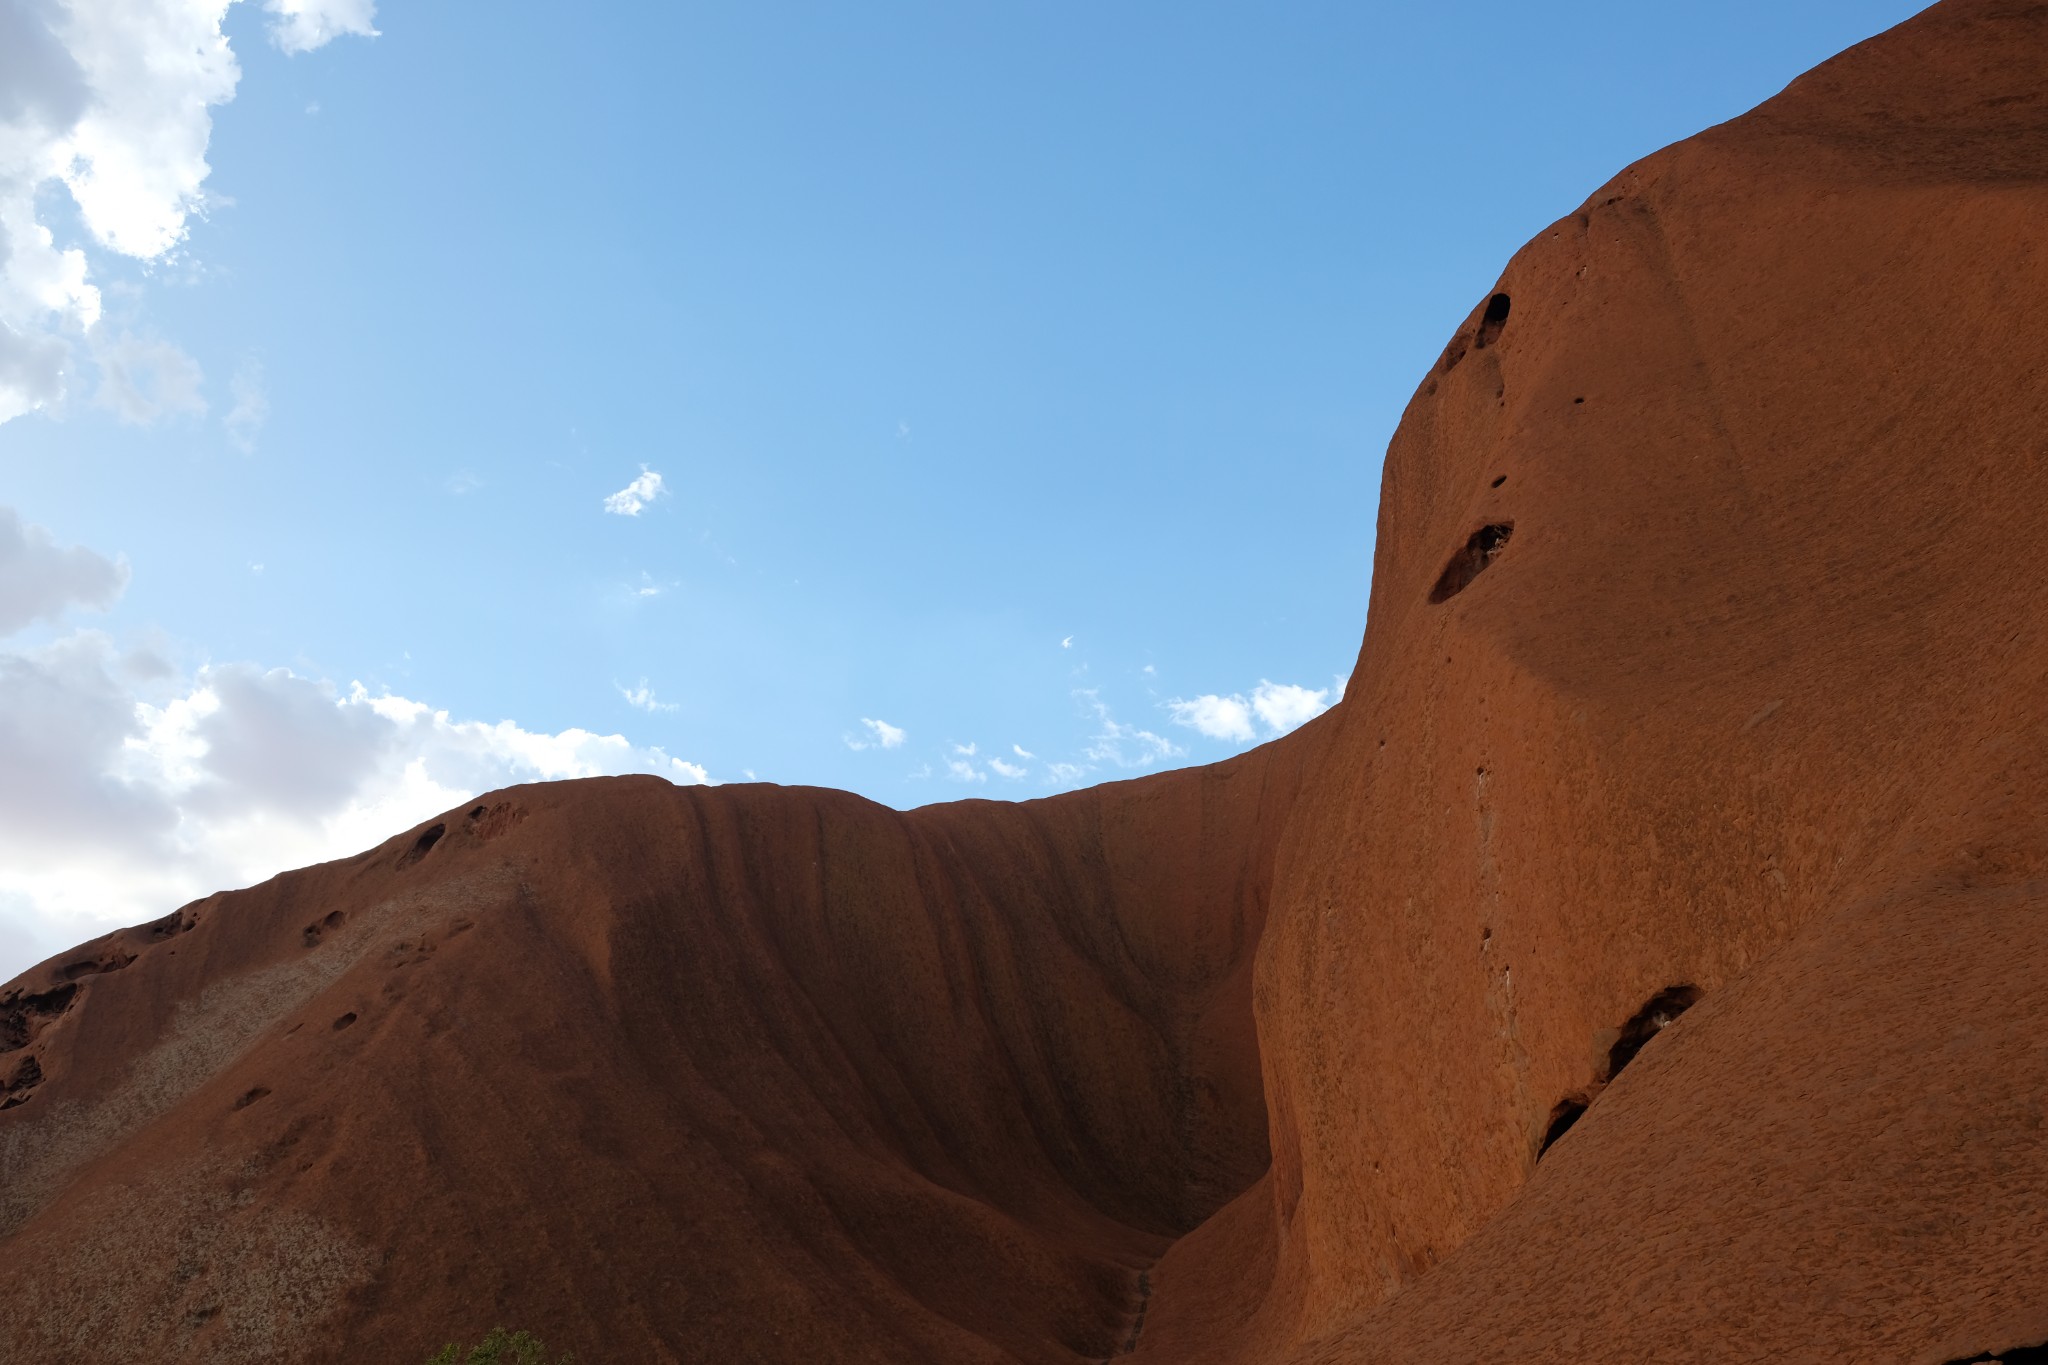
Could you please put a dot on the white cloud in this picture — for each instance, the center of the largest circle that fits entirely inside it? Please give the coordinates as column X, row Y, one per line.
column 643, row 697
column 1123, row 746
column 1276, row 707
column 881, row 735
column 41, row 580
column 631, row 500
column 112, row 100
column 144, row 380
column 960, row 770
column 1067, row 643
column 1217, row 717
column 251, row 409
column 302, row 25
column 128, row 788
column 1065, row 774
column 967, row 750
column 1022, row 752
column 1009, row 770
column 1286, row 706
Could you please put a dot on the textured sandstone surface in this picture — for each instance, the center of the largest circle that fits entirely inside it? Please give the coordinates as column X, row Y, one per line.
column 1707, row 662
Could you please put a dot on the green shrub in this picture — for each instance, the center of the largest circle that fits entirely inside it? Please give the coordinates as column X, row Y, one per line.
column 500, row 1348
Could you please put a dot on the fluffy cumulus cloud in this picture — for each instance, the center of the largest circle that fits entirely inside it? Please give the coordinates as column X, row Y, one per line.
column 632, row 500
column 880, row 734
column 1214, row 716
column 128, row 787
column 1272, row 709
column 111, row 101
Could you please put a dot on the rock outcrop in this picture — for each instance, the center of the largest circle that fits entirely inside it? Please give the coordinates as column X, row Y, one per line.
column 1633, row 967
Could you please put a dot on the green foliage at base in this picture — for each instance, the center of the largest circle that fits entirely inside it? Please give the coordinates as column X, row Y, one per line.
column 500, row 1348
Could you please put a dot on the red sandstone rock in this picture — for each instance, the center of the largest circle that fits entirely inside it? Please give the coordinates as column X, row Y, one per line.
column 1705, row 660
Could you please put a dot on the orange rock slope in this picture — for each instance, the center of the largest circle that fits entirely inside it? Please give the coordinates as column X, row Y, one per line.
column 1636, row 967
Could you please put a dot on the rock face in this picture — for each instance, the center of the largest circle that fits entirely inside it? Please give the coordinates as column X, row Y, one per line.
column 1636, row 966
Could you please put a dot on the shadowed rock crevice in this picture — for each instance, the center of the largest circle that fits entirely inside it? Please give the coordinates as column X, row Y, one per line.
column 1481, row 548
column 1492, row 322
column 1563, row 1115
column 17, row 1089
column 1662, row 1008
column 423, row 845
column 23, row 1015
column 2017, row 1355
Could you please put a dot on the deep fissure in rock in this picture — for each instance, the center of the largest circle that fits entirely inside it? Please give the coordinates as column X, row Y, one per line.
column 1562, row 1118
column 1663, row 1007
column 1481, row 548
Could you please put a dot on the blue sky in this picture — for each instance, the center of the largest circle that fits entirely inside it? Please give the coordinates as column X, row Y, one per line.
column 1017, row 379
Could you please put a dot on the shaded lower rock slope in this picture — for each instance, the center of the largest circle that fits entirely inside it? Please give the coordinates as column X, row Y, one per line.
column 1636, row 966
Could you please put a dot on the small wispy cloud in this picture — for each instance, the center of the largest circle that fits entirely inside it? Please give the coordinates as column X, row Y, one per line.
column 643, row 697
column 251, row 409
column 1067, row 643
column 881, row 735
column 144, row 381
column 1013, row 771
column 649, row 586
column 1022, row 752
column 1119, row 744
column 967, row 750
column 633, row 499
column 960, row 770
column 301, row 25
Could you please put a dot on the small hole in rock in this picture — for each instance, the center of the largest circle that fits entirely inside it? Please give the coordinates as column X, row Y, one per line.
column 344, row 1021
column 1578, row 400
column 1490, row 325
column 1562, row 1118
column 478, row 812
column 1663, row 1007
column 252, row 1096
column 1499, row 481
column 1481, row 548
column 1454, row 352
